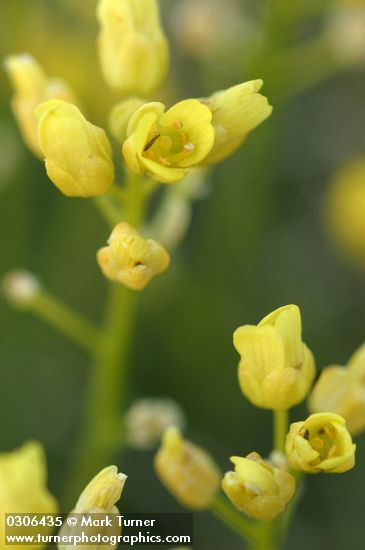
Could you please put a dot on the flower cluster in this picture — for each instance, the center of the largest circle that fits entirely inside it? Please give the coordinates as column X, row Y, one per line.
column 161, row 144
column 276, row 371
column 156, row 142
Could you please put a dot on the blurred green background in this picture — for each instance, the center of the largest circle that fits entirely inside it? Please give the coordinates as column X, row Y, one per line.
column 256, row 242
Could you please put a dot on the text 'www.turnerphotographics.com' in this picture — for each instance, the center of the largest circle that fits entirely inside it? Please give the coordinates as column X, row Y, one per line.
column 98, row 528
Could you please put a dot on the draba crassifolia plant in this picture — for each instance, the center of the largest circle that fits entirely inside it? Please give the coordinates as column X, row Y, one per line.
column 166, row 153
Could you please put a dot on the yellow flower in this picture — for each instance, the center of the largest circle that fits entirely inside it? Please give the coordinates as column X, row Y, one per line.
column 133, row 50
column 257, row 488
column 78, row 154
column 32, row 87
column 23, row 474
column 321, row 443
column 131, row 259
column 120, row 115
column 187, row 471
column 341, row 390
column 345, row 211
column 166, row 144
column 98, row 497
column 103, row 491
column 276, row 368
column 236, row 111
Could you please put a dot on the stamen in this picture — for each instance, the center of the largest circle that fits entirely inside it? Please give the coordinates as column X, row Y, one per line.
column 332, row 452
column 188, row 147
column 178, row 125
column 151, row 142
column 330, row 431
column 164, row 161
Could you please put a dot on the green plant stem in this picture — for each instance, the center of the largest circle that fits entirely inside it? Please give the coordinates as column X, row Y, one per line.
column 280, row 430
column 110, row 211
column 244, row 527
column 73, row 325
column 103, row 432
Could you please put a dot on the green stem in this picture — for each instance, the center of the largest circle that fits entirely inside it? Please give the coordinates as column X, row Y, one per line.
column 281, row 419
column 109, row 210
column 138, row 191
column 248, row 530
column 103, row 431
column 66, row 320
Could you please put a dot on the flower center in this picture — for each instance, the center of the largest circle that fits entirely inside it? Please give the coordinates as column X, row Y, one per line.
column 168, row 145
column 323, row 441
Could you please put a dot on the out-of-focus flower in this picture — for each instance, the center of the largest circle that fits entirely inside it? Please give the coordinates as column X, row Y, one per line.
column 276, row 368
column 131, row 259
column 166, row 144
column 345, row 211
column 32, row 87
column 345, row 33
column 341, row 390
column 321, row 443
column 133, row 50
column 211, row 29
column 98, row 497
column 236, row 111
column 257, row 488
column 171, row 221
column 120, row 115
column 78, row 155
column 187, row 471
column 278, row 460
column 148, row 418
column 20, row 287
column 23, row 482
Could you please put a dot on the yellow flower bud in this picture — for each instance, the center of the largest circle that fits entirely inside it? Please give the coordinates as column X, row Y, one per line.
column 78, row 154
column 236, row 111
column 23, row 474
column 166, row 144
column 131, row 259
column 344, row 211
column 276, row 368
column 120, row 115
column 257, row 488
column 103, row 491
column 321, row 443
column 32, row 87
column 98, row 497
column 187, row 471
column 341, row 390
column 133, row 50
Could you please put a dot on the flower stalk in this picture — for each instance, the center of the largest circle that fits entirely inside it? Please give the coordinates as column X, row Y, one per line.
column 280, row 430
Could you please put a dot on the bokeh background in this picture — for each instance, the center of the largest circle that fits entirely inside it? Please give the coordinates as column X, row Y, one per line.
column 257, row 241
